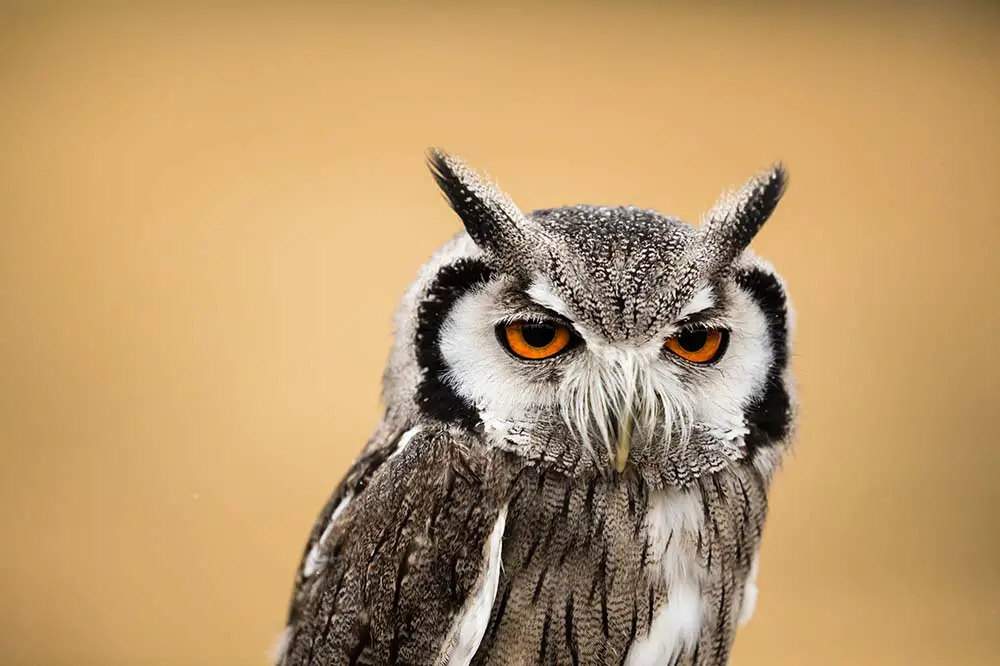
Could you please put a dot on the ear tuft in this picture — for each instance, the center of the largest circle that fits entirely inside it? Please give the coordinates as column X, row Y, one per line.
column 739, row 215
column 490, row 217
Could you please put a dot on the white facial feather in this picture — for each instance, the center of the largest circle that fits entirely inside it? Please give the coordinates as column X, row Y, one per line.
column 720, row 393
column 542, row 293
column 482, row 371
column 701, row 301
column 607, row 380
column 612, row 380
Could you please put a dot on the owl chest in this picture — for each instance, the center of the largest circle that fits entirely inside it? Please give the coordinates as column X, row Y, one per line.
column 673, row 541
column 599, row 574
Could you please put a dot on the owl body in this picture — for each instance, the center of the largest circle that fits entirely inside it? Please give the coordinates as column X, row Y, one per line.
column 584, row 410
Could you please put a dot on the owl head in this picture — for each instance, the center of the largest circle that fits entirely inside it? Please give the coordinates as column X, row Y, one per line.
column 600, row 339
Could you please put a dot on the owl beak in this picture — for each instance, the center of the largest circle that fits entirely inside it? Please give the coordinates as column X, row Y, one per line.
column 624, row 441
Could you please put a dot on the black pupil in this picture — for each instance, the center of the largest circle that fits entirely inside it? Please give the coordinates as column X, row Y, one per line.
column 538, row 335
column 693, row 341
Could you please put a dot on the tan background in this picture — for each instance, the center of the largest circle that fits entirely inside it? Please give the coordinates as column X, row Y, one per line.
column 207, row 215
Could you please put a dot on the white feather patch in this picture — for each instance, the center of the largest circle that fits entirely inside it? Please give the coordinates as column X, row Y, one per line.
column 673, row 519
column 750, row 593
column 542, row 293
column 470, row 626
column 404, row 440
column 676, row 624
column 277, row 652
column 701, row 301
column 316, row 559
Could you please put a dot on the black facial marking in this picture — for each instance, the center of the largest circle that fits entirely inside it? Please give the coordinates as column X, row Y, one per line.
column 435, row 397
column 769, row 416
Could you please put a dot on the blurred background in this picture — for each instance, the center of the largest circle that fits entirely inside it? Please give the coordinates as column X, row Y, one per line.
column 209, row 211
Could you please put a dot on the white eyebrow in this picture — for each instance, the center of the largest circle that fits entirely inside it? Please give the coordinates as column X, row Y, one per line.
column 540, row 292
column 701, row 301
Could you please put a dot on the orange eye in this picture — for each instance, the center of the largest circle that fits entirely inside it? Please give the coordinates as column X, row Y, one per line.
column 699, row 345
column 535, row 340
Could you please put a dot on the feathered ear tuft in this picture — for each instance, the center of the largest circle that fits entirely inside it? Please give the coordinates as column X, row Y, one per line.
column 738, row 216
column 492, row 219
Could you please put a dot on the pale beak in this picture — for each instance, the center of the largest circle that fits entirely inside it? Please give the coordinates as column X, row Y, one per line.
column 624, row 441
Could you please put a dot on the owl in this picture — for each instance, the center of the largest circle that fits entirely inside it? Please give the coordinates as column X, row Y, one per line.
column 584, row 408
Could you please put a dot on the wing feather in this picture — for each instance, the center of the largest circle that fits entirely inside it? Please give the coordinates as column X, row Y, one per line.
column 406, row 566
